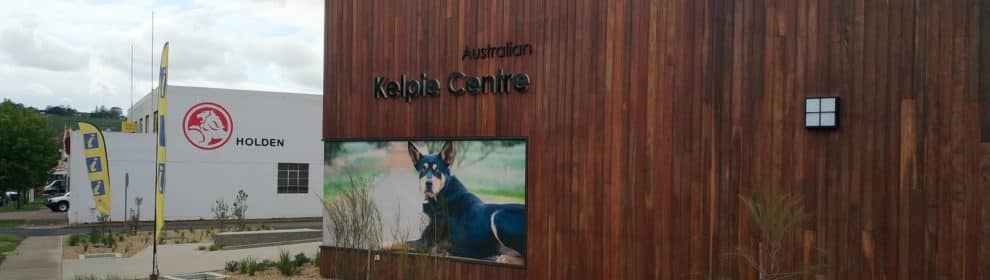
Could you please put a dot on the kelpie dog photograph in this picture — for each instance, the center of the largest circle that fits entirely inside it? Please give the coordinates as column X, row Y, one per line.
column 463, row 199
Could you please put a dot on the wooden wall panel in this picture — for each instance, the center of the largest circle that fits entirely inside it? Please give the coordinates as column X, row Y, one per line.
column 647, row 119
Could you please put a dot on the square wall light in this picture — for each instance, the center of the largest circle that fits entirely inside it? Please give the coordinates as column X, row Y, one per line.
column 821, row 112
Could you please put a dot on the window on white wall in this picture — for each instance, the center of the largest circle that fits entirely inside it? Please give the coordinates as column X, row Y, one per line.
column 293, row 177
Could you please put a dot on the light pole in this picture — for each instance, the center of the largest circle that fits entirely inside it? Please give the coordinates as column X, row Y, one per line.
column 127, row 182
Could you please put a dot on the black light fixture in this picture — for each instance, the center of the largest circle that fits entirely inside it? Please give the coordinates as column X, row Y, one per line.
column 821, row 112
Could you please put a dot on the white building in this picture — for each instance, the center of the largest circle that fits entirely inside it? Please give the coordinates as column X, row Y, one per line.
column 219, row 141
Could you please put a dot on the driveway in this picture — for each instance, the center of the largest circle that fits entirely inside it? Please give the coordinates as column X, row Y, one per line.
column 44, row 217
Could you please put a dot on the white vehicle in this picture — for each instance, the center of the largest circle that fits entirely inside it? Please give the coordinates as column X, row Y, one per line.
column 54, row 187
column 58, row 203
column 12, row 195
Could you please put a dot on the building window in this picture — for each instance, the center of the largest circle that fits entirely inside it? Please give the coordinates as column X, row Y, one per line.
column 156, row 123
column 293, row 177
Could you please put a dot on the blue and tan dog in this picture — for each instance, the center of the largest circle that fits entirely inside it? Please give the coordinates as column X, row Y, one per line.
column 460, row 222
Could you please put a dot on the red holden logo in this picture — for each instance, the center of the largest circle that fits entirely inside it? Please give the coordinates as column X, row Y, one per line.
column 207, row 126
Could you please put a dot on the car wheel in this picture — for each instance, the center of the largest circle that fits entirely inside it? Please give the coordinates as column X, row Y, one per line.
column 62, row 206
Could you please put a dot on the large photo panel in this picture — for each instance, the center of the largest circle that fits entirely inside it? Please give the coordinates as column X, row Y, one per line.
column 453, row 198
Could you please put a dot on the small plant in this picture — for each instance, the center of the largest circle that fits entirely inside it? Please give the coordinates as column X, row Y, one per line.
column 265, row 264
column 240, row 209
column 316, row 259
column 354, row 222
column 231, row 266
column 75, row 239
column 95, row 237
column 136, row 215
column 214, row 247
column 221, row 213
column 285, row 264
column 109, row 241
column 94, row 277
column 201, row 248
column 249, row 265
column 301, row 259
column 776, row 216
column 193, row 241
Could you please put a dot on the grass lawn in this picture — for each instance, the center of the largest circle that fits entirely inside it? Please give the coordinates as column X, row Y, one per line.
column 8, row 242
column 361, row 173
column 12, row 207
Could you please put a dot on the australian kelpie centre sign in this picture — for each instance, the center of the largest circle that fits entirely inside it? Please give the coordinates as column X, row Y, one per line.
column 458, row 83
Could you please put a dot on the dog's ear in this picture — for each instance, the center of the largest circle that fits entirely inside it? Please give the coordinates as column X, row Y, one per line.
column 447, row 153
column 414, row 154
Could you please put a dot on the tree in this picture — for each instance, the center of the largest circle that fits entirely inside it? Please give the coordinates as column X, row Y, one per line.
column 102, row 112
column 27, row 149
column 240, row 209
column 61, row 110
column 221, row 213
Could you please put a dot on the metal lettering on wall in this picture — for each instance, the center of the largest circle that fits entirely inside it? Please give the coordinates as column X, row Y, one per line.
column 507, row 50
column 459, row 83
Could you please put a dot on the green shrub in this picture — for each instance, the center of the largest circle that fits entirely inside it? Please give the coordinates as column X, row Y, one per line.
column 301, row 259
column 94, row 277
column 201, row 248
column 316, row 258
column 95, row 237
column 75, row 239
column 231, row 266
column 265, row 264
column 249, row 265
column 214, row 247
column 285, row 264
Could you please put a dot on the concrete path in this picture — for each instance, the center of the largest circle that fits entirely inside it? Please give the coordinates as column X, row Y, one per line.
column 315, row 222
column 35, row 258
column 175, row 259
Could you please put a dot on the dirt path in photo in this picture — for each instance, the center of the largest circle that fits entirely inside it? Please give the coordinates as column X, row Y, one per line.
column 398, row 197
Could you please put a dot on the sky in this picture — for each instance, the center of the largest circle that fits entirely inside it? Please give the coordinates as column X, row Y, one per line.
column 78, row 52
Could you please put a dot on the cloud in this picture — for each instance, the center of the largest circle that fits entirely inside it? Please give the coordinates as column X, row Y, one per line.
column 78, row 53
column 23, row 45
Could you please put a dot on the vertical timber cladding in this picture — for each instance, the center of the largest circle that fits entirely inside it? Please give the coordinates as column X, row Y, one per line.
column 647, row 119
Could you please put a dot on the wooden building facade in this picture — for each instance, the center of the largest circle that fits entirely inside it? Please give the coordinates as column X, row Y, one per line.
column 648, row 119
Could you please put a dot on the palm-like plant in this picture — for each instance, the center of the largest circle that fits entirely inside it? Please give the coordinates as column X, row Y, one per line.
column 775, row 216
